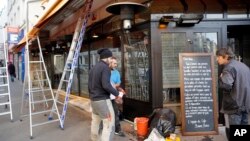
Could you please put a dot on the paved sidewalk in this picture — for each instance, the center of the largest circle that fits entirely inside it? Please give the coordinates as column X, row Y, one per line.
column 77, row 125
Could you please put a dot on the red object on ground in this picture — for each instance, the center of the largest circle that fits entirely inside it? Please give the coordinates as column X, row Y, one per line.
column 142, row 126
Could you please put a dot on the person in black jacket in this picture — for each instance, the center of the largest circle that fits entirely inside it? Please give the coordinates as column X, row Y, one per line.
column 12, row 71
column 235, row 83
column 99, row 87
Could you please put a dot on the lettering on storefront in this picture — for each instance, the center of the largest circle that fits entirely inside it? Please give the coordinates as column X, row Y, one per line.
column 198, row 97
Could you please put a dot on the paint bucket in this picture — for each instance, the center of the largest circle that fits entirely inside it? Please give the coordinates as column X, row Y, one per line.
column 142, row 126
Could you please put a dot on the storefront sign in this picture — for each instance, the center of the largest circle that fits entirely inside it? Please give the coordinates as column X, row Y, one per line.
column 13, row 35
column 198, row 95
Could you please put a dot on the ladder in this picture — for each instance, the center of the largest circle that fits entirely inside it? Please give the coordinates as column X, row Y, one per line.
column 72, row 59
column 5, row 98
column 38, row 94
column 40, row 87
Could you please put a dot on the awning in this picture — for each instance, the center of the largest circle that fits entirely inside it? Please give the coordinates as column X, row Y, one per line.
column 52, row 10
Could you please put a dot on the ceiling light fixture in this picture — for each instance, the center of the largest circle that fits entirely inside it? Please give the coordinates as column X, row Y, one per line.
column 95, row 35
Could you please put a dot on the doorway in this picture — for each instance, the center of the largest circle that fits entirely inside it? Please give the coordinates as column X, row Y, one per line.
column 238, row 38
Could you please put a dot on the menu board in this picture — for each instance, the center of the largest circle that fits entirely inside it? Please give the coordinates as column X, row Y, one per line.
column 198, row 95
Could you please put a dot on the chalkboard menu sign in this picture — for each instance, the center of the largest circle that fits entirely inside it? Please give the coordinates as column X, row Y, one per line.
column 198, row 95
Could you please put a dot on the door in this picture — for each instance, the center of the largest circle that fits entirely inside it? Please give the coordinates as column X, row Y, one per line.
column 238, row 38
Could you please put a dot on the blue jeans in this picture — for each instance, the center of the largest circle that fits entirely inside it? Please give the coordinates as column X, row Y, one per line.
column 240, row 118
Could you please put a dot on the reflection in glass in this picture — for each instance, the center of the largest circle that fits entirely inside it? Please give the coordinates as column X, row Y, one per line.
column 83, row 72
column 205, row 42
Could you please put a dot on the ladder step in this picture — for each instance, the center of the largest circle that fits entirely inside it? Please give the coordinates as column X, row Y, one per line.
column 38, row 90
column 3, row 85
column 36, row 61
column 1, row 76
column 2, row 67
column 4, row 94
column 5, row 103
column 4, row 113
column 39, row 80
column 59, row 102
column 41, row 112
column 65, row 80
column 50, row 121
column 41, row 101
column 36, row 70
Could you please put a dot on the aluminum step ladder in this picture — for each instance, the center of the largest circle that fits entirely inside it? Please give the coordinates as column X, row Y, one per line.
column 36, row 91
column 71, row 62
column 39, row 87
column 5, row 98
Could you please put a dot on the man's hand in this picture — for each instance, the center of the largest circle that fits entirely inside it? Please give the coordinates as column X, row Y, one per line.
column 119, row 100
column 121, row 90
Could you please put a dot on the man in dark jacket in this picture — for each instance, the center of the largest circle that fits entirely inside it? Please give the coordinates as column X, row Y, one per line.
column 235, row 82
column 12, row 71
column 99, row 91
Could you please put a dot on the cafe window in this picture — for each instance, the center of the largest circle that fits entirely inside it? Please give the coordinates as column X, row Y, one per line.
column 136, row 64
column 88, row 59
column 173, row 44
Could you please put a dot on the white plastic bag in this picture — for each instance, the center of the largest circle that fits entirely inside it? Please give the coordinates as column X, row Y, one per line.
column 155, row 136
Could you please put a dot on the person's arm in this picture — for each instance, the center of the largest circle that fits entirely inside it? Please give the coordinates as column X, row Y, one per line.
column 226, row 79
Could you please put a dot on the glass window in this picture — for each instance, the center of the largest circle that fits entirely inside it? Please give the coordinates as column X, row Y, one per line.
column 205, row 42
column 236, row 16
column 214, row 16
column 172, row 45
column 84, row 72
column 112, row 42
column 136, row 64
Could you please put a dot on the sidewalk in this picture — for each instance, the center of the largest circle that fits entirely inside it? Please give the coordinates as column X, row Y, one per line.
column 77, row 124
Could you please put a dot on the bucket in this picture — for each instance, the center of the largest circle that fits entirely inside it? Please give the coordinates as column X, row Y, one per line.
column 142, row 126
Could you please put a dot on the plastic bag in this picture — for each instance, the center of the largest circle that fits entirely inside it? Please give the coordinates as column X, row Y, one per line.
column 164, row 121
column 155, row 136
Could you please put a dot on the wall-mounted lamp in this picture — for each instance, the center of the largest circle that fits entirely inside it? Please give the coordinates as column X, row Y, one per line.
column 189, row 19
column 126, row 10
column 163, row 22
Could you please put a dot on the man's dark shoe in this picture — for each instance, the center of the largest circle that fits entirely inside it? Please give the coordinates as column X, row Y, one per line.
column 120, row 133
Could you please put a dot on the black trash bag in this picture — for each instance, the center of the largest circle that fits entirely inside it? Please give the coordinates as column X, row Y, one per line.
column 163, row 120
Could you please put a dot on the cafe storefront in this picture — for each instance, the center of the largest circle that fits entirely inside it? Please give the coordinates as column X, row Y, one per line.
column 148, row 54
column 204, row 37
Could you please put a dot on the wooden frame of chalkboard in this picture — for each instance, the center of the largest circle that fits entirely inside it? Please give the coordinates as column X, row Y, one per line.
column 198, row 94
